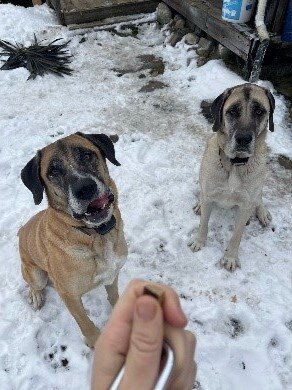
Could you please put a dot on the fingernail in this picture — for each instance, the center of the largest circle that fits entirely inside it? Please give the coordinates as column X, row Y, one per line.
column 147, row 310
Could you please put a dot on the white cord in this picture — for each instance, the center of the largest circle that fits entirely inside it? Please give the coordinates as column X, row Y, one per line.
column 259, row 20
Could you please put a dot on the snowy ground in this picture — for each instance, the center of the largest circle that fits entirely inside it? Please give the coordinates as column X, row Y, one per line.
column 243, row 321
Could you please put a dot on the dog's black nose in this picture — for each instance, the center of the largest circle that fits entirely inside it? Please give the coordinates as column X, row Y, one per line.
column 84, row 189
column 243, row 139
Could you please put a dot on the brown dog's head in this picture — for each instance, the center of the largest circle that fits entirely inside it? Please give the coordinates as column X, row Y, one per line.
column 75, row 177
column 240, row 115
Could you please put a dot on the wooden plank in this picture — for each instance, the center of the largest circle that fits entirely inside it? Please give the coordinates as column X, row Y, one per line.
column 202, row 13
column 258, row 61
column 82, row 5
column 236, row 38
column 75, row 5
column 108, row 24
column 105, row 9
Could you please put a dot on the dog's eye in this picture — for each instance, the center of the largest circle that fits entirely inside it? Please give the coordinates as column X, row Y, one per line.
column 233, row 112
column 87, row 156
column 54, row 171
column 259, row 111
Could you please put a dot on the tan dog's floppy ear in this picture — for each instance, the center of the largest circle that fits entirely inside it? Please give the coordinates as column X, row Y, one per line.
column 272, row 108
column 217, row 109
column 104, row 143
column 30, row 175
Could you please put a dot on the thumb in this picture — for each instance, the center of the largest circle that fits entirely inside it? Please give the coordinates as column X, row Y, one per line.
column 143, row 359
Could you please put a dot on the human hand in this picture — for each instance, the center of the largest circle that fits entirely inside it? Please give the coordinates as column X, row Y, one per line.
column 134, row 336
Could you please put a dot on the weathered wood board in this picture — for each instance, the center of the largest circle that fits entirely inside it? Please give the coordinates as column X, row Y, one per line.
column 87, row 11
column 206, row 14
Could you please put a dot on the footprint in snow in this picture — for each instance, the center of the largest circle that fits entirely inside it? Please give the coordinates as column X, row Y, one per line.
column 235, row 328
column 57, row 357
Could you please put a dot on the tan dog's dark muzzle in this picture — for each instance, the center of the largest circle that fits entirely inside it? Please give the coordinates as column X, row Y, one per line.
column 243, row 140
column 84, row 189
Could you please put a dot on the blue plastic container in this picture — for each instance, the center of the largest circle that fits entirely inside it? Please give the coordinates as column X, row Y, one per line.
column 237, row 11
column 287, row 29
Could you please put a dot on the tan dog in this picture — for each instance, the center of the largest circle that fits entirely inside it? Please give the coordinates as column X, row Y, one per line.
column 233, row 168
column 78, row 241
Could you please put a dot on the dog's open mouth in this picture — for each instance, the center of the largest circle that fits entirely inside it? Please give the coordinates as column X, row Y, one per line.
column 239, row 160
column 98, row 209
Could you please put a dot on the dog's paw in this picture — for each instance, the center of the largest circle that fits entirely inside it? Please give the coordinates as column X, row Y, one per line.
column 36, row 298
column 230, row 263
column 263, row 215
column 196, row 245
column 197, row 208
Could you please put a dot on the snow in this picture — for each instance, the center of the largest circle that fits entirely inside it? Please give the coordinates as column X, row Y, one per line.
column 243, row 321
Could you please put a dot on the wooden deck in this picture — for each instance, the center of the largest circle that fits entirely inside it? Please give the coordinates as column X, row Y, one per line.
column 206, row 14
column 88, row 11
column 241, row 39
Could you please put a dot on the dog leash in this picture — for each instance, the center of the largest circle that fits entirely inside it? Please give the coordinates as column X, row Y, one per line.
column 167, row 354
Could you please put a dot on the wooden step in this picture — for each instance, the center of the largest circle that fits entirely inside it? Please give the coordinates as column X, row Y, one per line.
column 88, row 11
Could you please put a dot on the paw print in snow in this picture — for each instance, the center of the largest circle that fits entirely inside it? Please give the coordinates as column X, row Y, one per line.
column 235, row 327
column 56, row 357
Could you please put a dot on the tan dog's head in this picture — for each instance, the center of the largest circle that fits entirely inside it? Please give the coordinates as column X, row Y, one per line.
column 241, row 114
column 75, row 177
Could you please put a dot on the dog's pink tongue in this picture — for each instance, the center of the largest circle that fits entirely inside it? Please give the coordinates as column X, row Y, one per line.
column 100, row 202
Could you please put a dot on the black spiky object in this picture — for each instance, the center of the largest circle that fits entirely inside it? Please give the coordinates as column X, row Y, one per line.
column 38, row 58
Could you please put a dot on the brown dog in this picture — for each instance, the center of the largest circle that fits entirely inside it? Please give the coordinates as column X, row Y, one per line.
column 78, row 241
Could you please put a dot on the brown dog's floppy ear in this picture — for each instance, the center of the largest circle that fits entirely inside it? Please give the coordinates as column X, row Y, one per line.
column 104, row 143
column 217, row 109
column 272, row 108
column 30, row 175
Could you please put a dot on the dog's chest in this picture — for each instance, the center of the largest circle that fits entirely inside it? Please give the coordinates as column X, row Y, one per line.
column 108, row 264
column 230, row 190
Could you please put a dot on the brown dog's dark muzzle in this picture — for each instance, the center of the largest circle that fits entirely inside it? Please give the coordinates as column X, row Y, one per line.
column 84, row 189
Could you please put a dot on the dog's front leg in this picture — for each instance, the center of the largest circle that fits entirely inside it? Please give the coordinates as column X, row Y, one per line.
column 263, row 215
column 230, row 259
column 113, row 292
column 197, row 243
column 76, row 308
